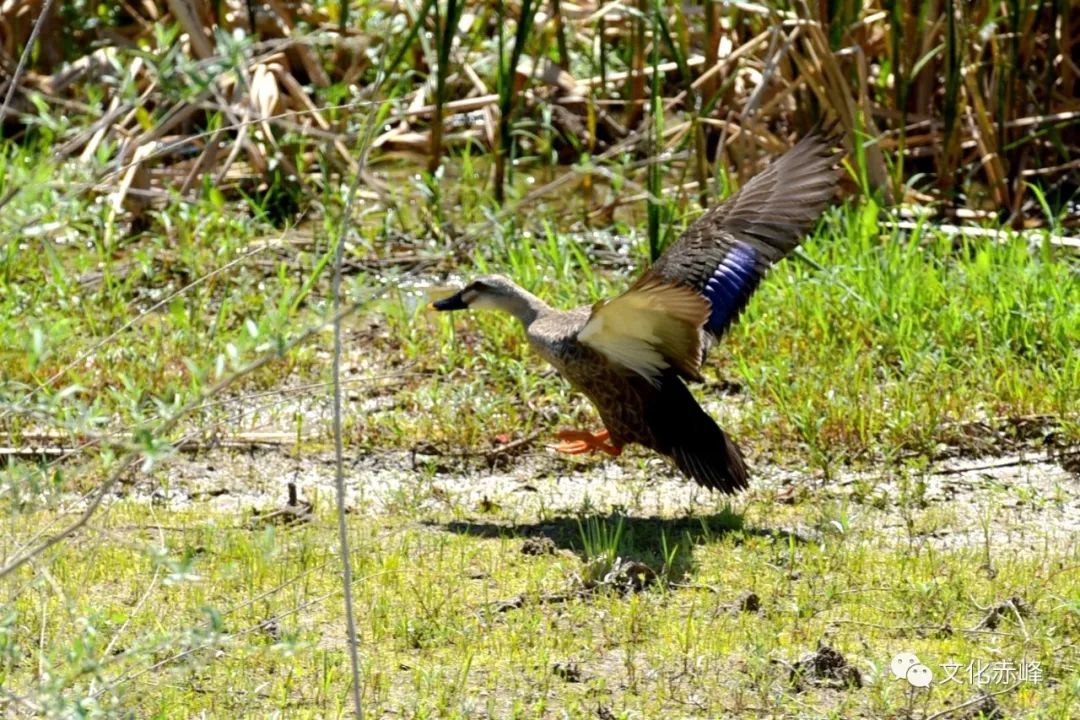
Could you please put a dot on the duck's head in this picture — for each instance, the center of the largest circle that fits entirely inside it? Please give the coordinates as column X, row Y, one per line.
column 493, row 292
column 490, row 292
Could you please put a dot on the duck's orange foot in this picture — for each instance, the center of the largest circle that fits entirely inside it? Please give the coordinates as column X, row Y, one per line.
column 576, row 442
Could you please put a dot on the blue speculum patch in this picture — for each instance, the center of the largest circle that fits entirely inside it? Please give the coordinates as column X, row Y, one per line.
column 729, row 285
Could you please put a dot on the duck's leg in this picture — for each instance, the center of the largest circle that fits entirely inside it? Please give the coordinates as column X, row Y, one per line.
column 576, row 442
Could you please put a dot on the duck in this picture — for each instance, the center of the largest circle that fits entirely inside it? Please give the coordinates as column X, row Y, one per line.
column 633, row 355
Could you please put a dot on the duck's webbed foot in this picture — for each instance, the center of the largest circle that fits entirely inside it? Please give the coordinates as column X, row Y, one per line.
column 576, row 442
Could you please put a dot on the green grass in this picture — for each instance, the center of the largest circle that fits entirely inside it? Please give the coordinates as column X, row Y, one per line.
column 898, row 339
column 253, row 619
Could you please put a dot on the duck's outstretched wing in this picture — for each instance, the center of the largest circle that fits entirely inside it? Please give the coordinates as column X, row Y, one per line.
column 651, row 327
column 724, row 254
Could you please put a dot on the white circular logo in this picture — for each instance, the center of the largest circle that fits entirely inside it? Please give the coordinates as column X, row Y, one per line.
column 906, row 666
column 902, row 663
column 919, row 675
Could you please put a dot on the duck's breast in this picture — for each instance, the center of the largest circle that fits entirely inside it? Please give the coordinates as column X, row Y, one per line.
column 620, row 395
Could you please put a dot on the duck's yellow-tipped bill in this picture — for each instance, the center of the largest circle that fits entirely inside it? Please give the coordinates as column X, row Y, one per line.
column 453, row 302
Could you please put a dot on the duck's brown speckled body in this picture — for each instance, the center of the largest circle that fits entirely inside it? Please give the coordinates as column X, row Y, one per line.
column 632, row 354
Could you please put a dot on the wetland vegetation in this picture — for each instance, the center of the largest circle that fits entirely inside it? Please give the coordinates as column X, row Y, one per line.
column 176, row 180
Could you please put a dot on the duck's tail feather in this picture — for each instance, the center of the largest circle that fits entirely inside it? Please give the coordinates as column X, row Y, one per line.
column 701, row 450
column 715, row 463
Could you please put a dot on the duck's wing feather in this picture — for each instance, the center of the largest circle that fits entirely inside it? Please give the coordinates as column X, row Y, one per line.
column 724, row 254
column 653, row 326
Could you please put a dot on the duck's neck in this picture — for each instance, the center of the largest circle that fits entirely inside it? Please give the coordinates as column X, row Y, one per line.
column 523, row 305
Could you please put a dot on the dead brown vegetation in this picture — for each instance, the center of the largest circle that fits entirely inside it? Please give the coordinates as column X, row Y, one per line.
column 964, row 105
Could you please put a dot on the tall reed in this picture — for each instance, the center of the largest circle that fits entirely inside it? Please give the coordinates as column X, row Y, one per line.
column 508, row 90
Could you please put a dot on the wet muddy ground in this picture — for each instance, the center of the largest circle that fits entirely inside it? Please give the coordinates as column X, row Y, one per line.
column 1020, row 501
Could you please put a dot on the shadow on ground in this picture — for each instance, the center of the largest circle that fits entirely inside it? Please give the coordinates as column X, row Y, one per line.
column 633, row 535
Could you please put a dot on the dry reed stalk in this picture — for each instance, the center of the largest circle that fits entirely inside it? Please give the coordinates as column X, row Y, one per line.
column 635, row 93
column 311, row 64
column 983, row 132
column 136, row 177
column 187, row 15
